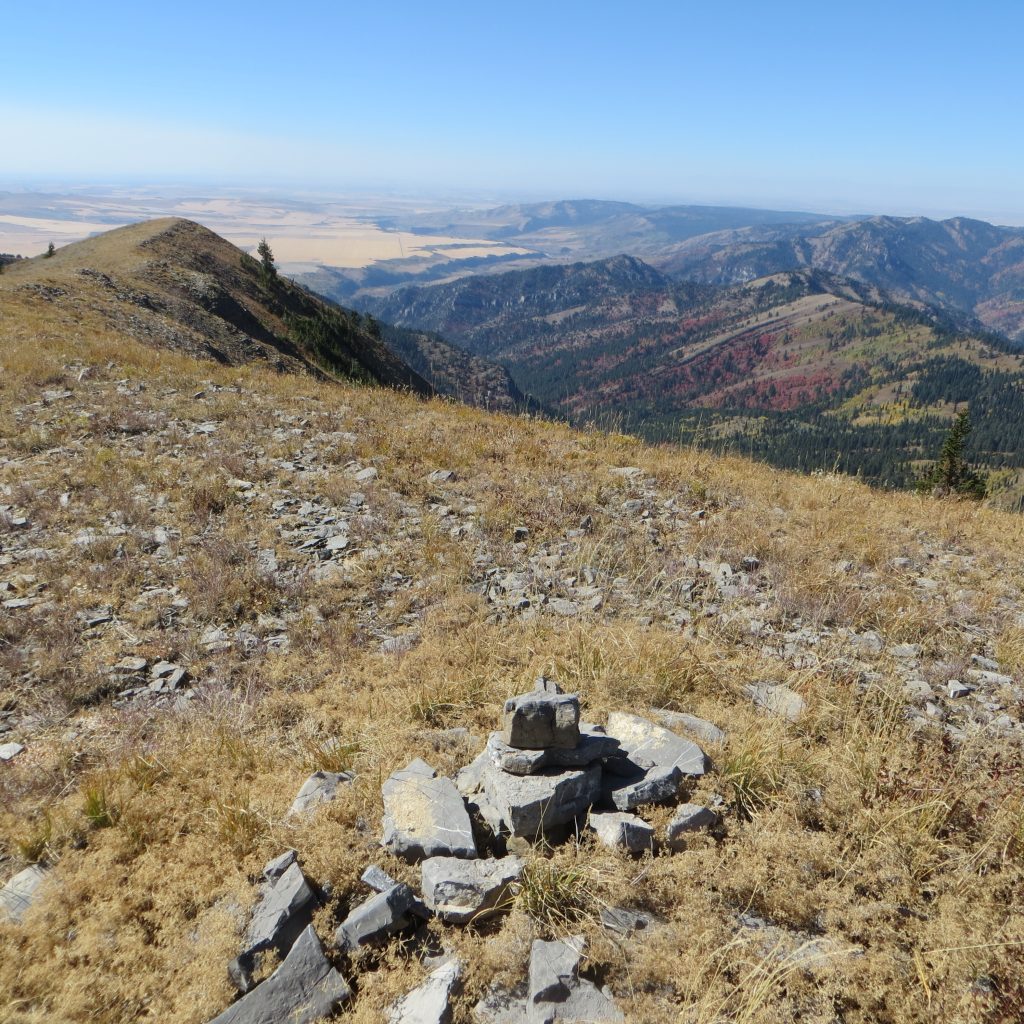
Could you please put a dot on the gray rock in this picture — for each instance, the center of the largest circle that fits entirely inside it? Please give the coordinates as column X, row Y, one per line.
column 429, row 1003
column 918, row 689
column 469, row 780
column 459, row 891
column 399, row 644
column 560, row 606
column 777, row 700
column 556, row 992
column 319, row 788
column 162, row 669
column 554, row 966
column 275, row 868
column 534, row 805
column 377, row 878
column 305, row 988
column 977, row 675
column 621, row 831
column 546, row 717
column 366, row 475
column 648, row 745
column 502, row 1005
column 284, row 910
column 657, row 785
column 424, row 816
column 380, row 881
column 955, row 689
column 18, row 893
column 906, row 652
column 98, row 617
column 9, row 751
column 593, row 745
column 689, row 818
column 441, row 476
column 706, row 731
column 986, row 664
column 376, row 918
column 622, row 921
column 131, row 666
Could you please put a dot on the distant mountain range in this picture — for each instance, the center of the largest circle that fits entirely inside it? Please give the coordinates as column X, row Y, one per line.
column 960, row 266
column 595, row 227
column 971, row 270
column 808, row 368
column 804, row 368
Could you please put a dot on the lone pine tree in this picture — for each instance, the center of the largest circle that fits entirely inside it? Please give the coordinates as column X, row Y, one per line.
column 266, row 256
column 952, row 474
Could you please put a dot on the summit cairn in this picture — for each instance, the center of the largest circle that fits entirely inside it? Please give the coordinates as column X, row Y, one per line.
column 542, row 771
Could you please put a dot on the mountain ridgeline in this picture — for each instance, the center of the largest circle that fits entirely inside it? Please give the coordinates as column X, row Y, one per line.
column 804, row 368
column 807, row 368
column 174, row 284
column 961, row 266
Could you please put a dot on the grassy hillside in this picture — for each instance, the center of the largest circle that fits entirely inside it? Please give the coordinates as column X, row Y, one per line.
column 173, row 284
column 870, row 862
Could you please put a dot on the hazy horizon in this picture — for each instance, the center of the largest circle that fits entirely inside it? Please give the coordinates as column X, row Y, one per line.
column 452, row 197
column 906, row 109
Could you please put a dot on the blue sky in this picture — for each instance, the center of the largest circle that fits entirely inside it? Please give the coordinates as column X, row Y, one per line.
column 899, row 107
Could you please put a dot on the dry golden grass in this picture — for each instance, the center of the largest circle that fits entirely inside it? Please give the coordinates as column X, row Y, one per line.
column 905, row 850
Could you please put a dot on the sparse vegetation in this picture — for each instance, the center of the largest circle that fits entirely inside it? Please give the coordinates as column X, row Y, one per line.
column 890, row 832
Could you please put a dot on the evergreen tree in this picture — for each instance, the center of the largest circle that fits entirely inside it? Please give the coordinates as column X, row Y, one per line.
column 266, row 259
column 952, row 474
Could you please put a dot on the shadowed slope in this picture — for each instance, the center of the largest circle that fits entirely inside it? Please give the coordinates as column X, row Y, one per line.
column 173, row 283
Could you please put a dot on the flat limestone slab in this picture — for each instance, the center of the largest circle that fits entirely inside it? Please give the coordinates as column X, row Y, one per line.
column 429, row 1003
column 532, row 805
column 319, row 788
column 460, row 891
column 593, row 745
column 282, row 913
column 19, row 892
column 650, row 746
column 305, row 988
column 376, row 918
column 425, row 816
column 556, row 992
column 657, row 785
column 621, row 831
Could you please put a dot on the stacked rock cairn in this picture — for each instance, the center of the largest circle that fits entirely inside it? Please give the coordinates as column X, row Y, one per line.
column 542, row 777
column 544, row 770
